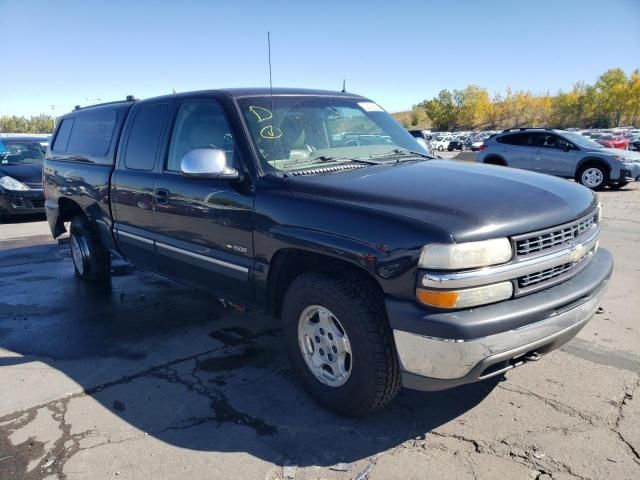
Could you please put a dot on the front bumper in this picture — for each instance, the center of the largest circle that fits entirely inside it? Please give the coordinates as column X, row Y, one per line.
column 630, row 172
column 22, row 203
column 440, row 350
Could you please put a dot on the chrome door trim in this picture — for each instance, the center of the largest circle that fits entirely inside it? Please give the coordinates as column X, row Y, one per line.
column 135, row 237
column 215, row 261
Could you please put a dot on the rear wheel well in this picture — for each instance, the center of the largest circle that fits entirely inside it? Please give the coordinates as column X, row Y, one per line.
column 68, row 210
column 495, row 160
column 288, row 264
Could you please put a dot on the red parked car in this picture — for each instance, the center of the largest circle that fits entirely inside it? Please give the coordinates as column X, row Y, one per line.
column 613, row 141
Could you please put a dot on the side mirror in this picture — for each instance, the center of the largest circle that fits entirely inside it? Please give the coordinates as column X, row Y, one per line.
column 208, row 163
column 567, row 147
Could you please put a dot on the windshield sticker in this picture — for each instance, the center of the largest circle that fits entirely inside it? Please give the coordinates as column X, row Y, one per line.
column 270, row 132
column 261, row 113
column 370, row 107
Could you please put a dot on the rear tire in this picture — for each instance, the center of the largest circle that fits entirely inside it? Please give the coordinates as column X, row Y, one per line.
column 495, row 161
column 356, row 318
column 593, row 176
column 91, row 260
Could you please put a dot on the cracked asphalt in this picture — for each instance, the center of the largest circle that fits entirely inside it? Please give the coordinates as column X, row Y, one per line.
column 144, row 378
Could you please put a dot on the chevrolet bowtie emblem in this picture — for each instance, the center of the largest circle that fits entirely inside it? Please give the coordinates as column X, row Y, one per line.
column 576, row 252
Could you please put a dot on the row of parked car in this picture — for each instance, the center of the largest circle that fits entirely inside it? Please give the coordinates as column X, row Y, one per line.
column 626, row 138
column 450, row 141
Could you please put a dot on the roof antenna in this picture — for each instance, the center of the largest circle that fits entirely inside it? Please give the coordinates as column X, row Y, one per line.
column 273, row 144
column 344, row 88
column 270, row 81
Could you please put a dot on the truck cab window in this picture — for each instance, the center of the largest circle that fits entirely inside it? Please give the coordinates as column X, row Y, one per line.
column 198, row 125
column 144, row 139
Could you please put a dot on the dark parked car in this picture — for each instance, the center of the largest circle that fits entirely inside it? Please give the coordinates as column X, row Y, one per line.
column 21, row 176
column 457, row 144
column 387, row 267
column 634, row 143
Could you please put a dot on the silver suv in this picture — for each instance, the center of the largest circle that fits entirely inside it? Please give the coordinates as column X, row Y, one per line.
column 564, row 154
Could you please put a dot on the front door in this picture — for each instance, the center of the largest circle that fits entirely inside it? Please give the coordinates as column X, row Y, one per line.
column 204, row 227
column 552, row 155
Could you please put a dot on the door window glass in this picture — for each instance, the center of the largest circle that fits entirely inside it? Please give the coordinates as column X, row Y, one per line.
column 92, row 132
column 199, row 125
column 544, row 140
column 144, row 139
column 62, row 138
column 514, row 139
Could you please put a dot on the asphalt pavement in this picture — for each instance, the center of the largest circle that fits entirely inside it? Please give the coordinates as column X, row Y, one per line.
column 144, row 378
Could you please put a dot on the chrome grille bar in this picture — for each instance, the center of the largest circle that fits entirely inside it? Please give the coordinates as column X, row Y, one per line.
column 521, row 267
column 555, row 237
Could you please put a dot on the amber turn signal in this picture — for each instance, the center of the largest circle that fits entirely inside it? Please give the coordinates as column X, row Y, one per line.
column 466, row 297
column 435, row 298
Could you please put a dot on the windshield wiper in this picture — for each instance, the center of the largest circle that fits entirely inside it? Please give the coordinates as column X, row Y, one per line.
column 401, row 152
column 326, row 159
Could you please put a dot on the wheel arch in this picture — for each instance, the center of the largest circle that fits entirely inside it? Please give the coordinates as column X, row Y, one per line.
column 66, row 210
column 289, row 263
column 591, row 161
column 495, row 159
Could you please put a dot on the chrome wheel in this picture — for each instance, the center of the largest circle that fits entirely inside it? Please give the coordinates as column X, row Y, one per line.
column 325, row 346
column 79, row 253
column 592, row 177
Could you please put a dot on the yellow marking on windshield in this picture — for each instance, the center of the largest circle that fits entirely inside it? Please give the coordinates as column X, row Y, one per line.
column 261, row 113
column 270, row 132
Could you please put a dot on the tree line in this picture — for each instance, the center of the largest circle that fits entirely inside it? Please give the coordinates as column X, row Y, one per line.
column 613, row 100
column 35, row 124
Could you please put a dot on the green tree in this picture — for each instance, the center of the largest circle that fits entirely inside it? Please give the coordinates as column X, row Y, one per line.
column 613, row 90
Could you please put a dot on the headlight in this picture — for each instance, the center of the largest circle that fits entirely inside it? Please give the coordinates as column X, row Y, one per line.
column 10, row 183
column 454, row 256
column 464, row 298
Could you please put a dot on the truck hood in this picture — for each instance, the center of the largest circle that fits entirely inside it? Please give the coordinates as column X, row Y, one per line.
column 30, row 174
column 470, row 201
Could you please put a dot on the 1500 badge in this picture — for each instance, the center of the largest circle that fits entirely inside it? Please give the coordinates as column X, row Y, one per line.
column 237, row 248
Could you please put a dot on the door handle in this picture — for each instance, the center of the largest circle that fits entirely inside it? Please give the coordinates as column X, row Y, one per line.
column 161, row 196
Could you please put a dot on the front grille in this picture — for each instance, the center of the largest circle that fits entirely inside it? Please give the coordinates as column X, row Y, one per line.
column 539, row 241
column 548, row 274
column 37, row 203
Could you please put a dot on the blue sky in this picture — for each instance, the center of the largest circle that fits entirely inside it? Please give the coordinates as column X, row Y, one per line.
column 65, row 53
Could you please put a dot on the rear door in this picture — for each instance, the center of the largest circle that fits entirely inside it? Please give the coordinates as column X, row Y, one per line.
column 132, row 191
column 515, row 150
column 204, row 226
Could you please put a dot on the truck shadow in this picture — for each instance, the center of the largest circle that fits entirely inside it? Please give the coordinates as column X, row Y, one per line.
column 172, row 363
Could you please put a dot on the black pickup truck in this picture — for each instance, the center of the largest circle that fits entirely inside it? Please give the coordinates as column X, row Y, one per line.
column 387, row 267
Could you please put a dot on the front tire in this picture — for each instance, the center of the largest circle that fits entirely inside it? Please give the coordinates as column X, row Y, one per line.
column 339, row 342
column 91, row 260
column 618, row 185
column 594, row 176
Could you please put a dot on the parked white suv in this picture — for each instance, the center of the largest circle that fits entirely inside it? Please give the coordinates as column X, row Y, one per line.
column 564, row 154
column 441, row 143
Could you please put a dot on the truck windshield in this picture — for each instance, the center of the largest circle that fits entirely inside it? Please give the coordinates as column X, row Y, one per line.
column 21, row 152
column 301, row 132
